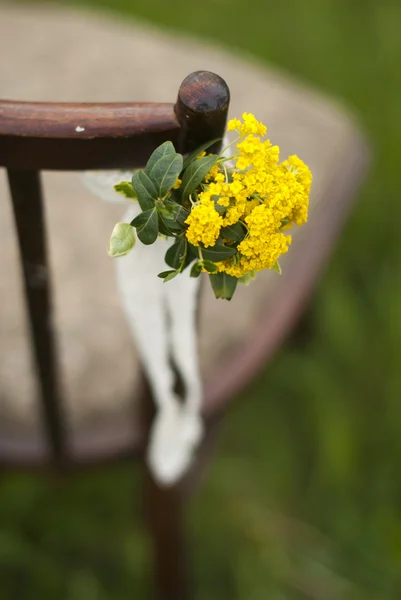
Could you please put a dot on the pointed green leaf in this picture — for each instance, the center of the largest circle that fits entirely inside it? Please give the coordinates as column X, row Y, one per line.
column 177, row 211
column 147, row 226
column 176, row 254
column 163, row 150
column 247, row 278
column 195, row 153
column 218, row 252
column 173, row 214
column 190, row 257
column 164, row 229
column 144, row 189
column 218, row 207
column 195, row 174
column 125, row 188
column 168, row 275
column 164, row 173
column 172, row 226
column 209, row 266
column 122, row 240
column 235, row 232
column 277, row 267
column 196, row 269
column 174, row 196
column 223, row 285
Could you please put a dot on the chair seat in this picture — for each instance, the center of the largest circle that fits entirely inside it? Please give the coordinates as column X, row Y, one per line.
column 99, row 365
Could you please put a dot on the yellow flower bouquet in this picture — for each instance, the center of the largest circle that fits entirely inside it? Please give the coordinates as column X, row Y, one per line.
column 229, row 213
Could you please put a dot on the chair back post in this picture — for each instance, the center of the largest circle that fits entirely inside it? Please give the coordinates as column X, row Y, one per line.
column 201, row 109
column 28, row 209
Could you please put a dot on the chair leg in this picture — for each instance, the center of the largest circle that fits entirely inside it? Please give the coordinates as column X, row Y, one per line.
column 165, row 520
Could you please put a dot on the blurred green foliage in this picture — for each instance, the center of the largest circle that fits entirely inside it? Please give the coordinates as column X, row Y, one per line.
column 304, row 497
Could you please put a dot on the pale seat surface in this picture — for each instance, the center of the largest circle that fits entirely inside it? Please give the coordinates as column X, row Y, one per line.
column 60, row 54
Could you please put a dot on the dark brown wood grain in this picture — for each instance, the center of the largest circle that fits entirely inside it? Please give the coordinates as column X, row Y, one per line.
column 202, row 109
column 44, row 136
column 81, row 154
column 81, row 136
column 165, row 514
column 31, row 233
column 61, row 120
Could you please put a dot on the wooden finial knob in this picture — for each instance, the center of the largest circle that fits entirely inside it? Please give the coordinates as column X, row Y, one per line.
column 202, row 108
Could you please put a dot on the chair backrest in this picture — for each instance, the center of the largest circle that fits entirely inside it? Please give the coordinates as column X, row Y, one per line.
column 49, row 136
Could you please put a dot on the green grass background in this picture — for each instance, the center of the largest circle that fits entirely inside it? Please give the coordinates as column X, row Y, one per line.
column 304, row 497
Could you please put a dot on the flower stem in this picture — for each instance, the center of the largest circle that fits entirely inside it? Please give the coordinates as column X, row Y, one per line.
column 229, row 145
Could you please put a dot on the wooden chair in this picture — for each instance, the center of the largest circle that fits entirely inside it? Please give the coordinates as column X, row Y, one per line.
column 45, row 136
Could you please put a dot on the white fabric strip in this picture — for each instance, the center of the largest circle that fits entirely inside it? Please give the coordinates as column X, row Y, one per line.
column 162, row 320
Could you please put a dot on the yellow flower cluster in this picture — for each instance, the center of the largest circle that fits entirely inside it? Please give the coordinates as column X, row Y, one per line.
column 250, row 125
column 232, row 196
column 204, row 224
column 261, row 248
column 266, row 196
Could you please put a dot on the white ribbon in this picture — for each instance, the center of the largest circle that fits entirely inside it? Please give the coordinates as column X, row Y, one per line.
column 162, row 320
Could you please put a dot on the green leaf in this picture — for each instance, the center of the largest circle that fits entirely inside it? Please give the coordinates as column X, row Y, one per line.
column 168, row 275
column 277, row 267
column 196, row 269
column 125, row 188
column 219, row 208
column 144, row 189
column 247, row 278
column 173, row 214
column 173, row 227
column 177, row 211
column 235, row 232
column 147, row 226
column 218, row 252
column 209, row 266
column 122, row 240
column 176, row 254
column 163, row 150
column 284, row 222
column 164, row 229
column 190, row 257
column 195, row 173
column 165, row 171
column 195, row 153
column 223, row 285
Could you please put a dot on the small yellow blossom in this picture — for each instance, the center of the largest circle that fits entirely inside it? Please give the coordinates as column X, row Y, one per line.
column 233, row 124
column 220, row 177
column 177, row 184
column 249, row 125
column 224, row 201
column 213, row 173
